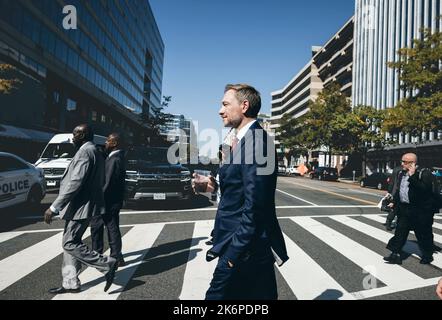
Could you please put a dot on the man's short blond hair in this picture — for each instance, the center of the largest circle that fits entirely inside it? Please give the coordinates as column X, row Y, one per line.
column 247, row 92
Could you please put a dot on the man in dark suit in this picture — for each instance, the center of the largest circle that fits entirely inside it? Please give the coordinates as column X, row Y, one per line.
column 247, row 236
column 412, row 198
column 80, row 199
column 114, row 188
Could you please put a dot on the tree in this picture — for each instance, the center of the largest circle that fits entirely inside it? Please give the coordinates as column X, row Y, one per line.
column 155, row 123
column 359, row 131
column 291, row 134
column 420, row 73
column 7, row 82
column 323, row 124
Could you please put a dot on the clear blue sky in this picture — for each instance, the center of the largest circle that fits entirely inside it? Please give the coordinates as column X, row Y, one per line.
column 209, row 43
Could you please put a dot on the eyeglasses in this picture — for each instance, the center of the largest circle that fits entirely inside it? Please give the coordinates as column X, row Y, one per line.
column 407, row 162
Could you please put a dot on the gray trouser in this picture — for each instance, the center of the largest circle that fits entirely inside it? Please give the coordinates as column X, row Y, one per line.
column 76, row 252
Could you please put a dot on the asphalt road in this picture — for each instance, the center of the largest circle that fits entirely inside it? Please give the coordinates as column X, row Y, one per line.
column 333, row 230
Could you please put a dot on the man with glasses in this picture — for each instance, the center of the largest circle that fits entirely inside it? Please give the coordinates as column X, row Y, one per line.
column 415, row 208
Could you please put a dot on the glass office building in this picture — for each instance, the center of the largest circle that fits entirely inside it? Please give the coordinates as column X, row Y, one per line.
column 381, row 29
column 106, row 72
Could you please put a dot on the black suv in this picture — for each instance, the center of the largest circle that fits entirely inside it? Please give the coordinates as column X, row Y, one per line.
column 325, row 173
column 149, row 176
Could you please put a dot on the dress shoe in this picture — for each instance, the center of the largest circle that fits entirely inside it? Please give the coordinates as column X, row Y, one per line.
column 110, row 275
column 426, row 260
column 62, row 290
column 209, row 243
column 121, row 262
column 436, row 248
column 394, row 258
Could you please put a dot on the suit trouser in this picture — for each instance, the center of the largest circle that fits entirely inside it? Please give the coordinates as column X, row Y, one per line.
column 412, row 218
column 77, row 253
column 253, row 279
column 111, row 221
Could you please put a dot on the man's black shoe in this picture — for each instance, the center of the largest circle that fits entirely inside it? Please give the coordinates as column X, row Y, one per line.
column 426, row 260
column 436, row 248
column 110, row 276
column 62, row 290
column 121, row 262
column 394, row 258
column 210, row 242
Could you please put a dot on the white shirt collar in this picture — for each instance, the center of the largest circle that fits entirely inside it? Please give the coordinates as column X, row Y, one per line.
column 241, row 133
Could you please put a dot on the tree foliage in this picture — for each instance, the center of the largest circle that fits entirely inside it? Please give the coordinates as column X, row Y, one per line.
column 7, row 82
column 420, row 73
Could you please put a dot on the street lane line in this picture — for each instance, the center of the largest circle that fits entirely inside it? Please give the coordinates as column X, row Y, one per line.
column 307, row 279
column 170, row 211
column 336, row 194
column 5, row 236
column 383, row 236
column 391, row 275
column 437, row 238
column 198, row 272
column 290, row 195
column 324, row 207
column 406, row 286
column 19, row 265
column 136, row 243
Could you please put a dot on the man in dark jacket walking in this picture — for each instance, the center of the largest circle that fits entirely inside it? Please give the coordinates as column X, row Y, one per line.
column 114, row 187
column 415, row 208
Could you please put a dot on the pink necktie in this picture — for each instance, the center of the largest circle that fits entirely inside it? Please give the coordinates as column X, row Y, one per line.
column 234, row 142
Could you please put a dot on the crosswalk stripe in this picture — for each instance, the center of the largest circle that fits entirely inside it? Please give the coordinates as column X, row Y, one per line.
column 383, row 236
column 391, row 275
column 316, row 284
column 136, row 244
column 5, row 236
column 24, row 262
column 198, row 271
column 437, row 225
column 437, row 238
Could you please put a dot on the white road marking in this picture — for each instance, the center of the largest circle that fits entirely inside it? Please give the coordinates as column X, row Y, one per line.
column 19, row 265
column 136, row 243
column 198, row 272
column 391, row 275
column 295, row 197
column 306, row 278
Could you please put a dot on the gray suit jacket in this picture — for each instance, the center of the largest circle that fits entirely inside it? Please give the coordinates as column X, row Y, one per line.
column 81, row 188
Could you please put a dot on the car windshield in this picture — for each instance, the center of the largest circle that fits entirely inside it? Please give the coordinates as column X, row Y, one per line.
column 59, row 151
column 149, row 155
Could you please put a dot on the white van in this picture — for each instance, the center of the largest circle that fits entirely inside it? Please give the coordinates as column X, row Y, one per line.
column 57, row 156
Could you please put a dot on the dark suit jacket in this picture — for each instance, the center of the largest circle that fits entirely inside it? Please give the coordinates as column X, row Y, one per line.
column 246, row 217
column 114, row 187
column 419, row 192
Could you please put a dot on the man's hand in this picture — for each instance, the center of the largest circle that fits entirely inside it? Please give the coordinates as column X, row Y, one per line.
column 412, row 169
column 391, row 205
column 230, row 264
column 203, row 184
column 48, row 216
column 439, row 289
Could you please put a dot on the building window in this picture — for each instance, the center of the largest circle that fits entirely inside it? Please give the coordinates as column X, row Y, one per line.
column 71, row 105
column 94, row 116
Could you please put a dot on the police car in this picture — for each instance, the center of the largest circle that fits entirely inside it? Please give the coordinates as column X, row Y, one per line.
column 20, row 182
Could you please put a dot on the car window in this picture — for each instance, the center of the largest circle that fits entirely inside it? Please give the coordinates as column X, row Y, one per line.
column 59, row 151
column 8, row 163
